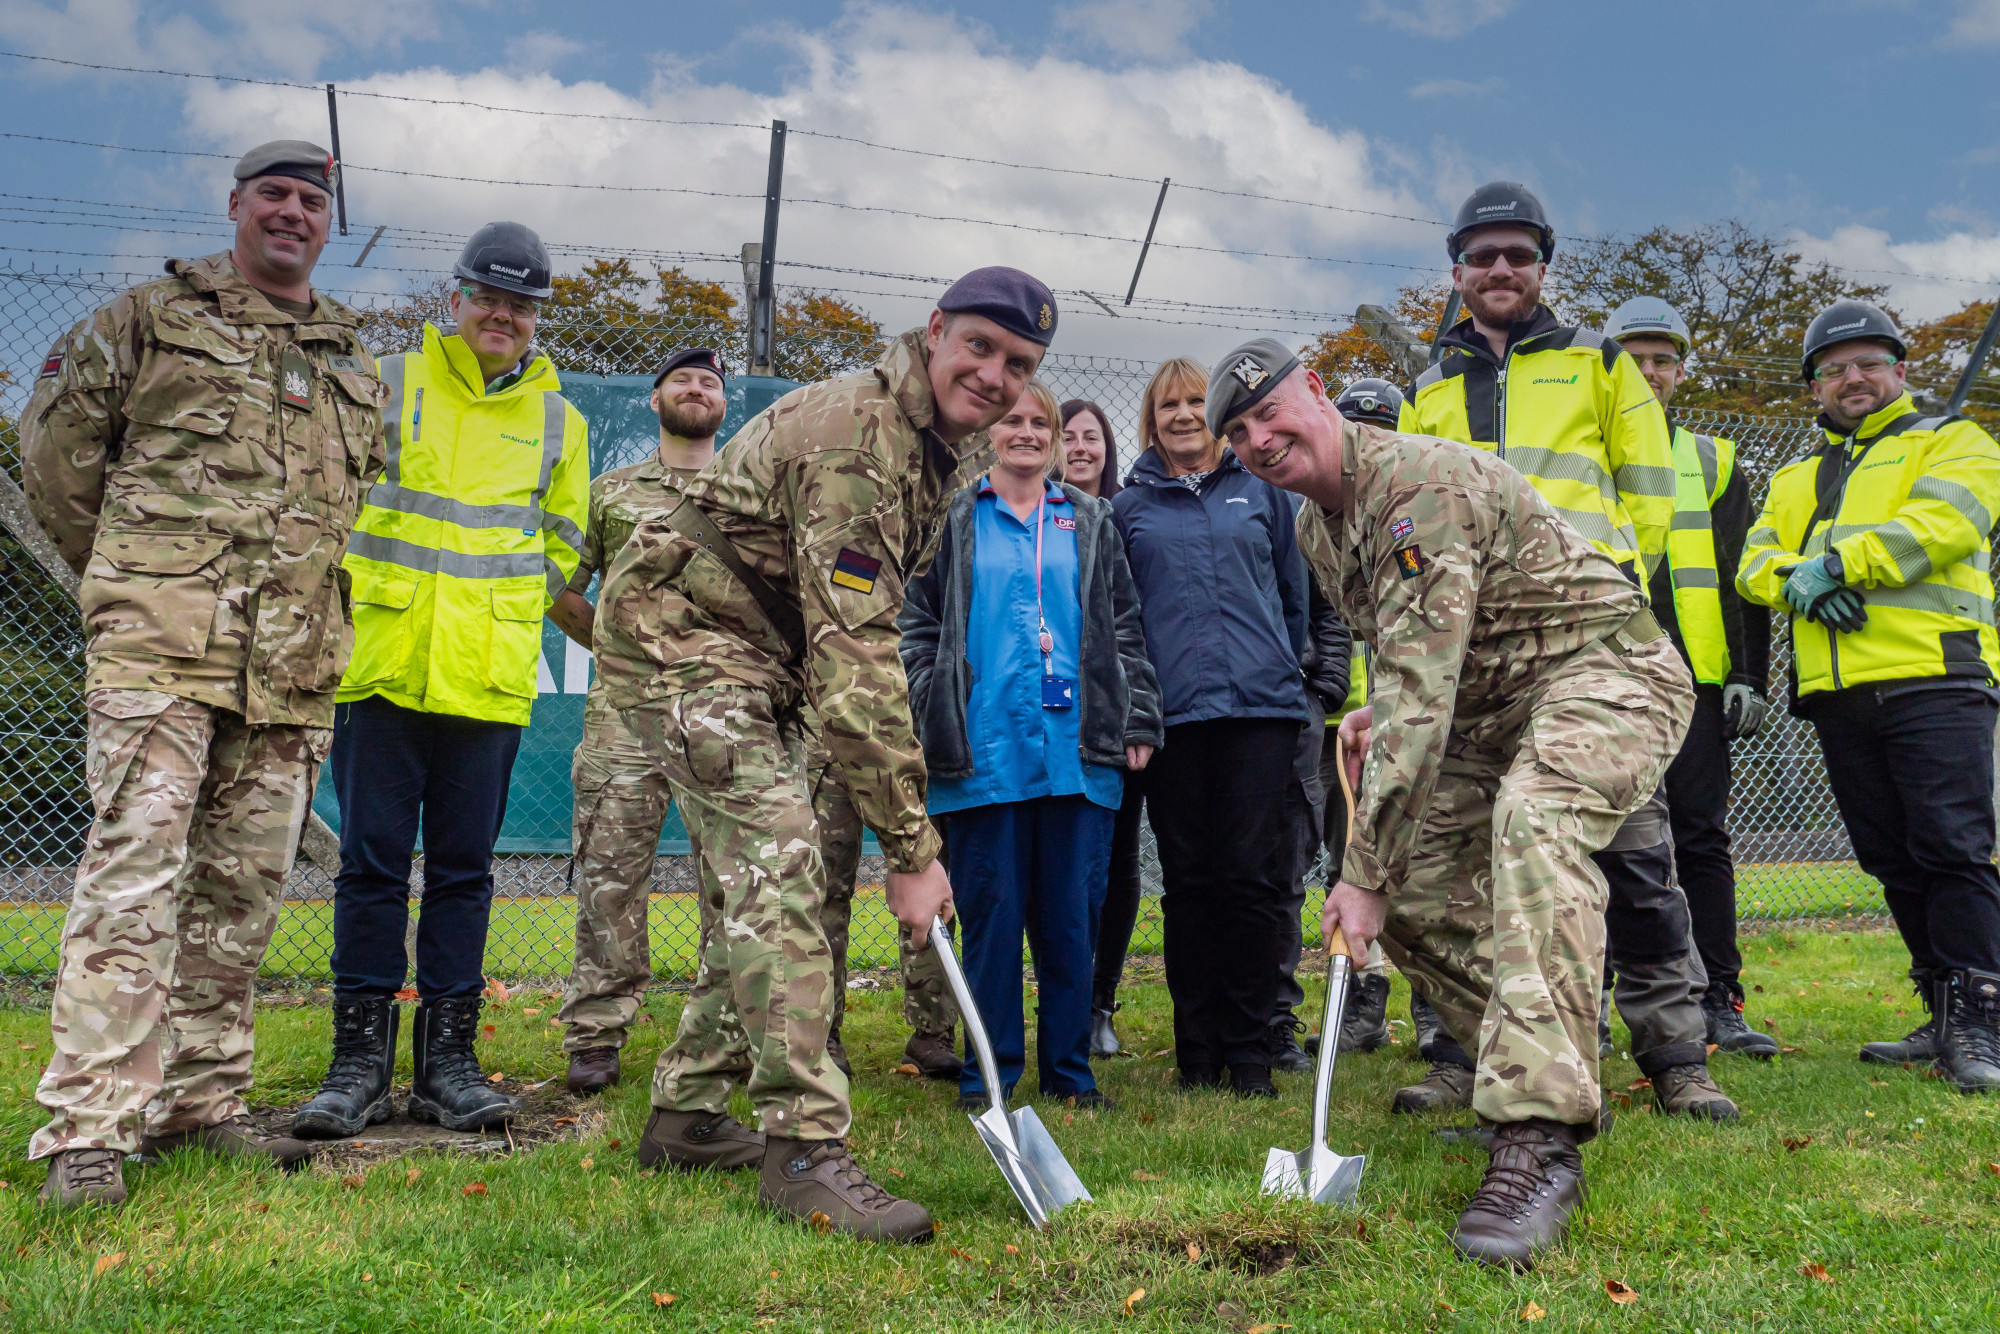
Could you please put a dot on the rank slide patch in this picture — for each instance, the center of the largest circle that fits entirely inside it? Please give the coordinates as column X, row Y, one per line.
column 853, row 570
column 1410, row 560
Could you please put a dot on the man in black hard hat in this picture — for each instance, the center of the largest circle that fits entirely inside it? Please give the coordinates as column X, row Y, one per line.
column 1876, row 544
column 474, row 529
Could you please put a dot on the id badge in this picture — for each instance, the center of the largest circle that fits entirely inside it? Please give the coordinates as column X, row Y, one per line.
column 1058, row 692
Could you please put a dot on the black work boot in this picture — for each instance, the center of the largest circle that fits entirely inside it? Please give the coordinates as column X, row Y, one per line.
column 1103, row 1037
column 1286, row 1054
column 1424, row 1020
column 1969, row 1051
column 1921, row 1046
column 1247, row 1079
column 1604, row 1044
column 1533, row 1183
column 934, row 1054
column 819, row 1182
column 1364, row 1023
column 1722, row 1010
column 1691, row 1090
column 355, row 1093
column 450, row 1089
column 1446, row 1087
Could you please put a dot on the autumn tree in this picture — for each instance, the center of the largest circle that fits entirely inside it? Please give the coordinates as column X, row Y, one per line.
column 1343, row 356
column 1938, row 352
column 820, row 336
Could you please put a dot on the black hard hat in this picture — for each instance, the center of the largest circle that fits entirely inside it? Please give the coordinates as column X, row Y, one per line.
column 1844, row 321
column 508, row 256
column 1371, row 400
column 1498, row 202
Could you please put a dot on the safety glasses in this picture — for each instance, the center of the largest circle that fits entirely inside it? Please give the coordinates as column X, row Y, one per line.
column 520, row 307
column 1829, row 371
column 1486, row 256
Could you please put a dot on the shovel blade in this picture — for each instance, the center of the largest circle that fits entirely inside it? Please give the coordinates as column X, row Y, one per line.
column 1281, row 1175
column 1056, row 1181
column 1332, row 1179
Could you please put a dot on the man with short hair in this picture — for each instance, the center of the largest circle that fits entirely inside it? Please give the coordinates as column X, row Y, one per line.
column 197, row 449
column 1568, row 409
column 776, row 583
column 1726, row 643
column 1876, row 543
column 462, row 547
column 1528, row 702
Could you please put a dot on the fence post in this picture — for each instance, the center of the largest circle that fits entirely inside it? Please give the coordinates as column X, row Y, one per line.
column 1396, row 338
column 764, row 316
column 340, row 171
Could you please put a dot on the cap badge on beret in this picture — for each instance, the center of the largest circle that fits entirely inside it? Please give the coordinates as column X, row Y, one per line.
column 1250, row 372
column 1048, row 316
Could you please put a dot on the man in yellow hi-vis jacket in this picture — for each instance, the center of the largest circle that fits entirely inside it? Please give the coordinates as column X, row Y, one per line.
column 1876, row 543
column 1568, row 408
column 474, row 528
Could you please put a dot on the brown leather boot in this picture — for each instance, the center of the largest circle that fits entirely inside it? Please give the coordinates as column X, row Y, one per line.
column 692, row 1141
column 593, row 1070
column 85, row 1176
column 819, row 1181
column 234, row 1138
column 1533, row 1183
column 1447, row 1088
column 1690, row 1089
column 935, row 1054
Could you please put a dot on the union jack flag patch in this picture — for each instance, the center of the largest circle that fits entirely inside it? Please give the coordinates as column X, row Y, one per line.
column 1402, row 528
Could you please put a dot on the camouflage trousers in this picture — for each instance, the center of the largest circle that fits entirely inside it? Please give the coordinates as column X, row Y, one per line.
column 622, row 797
column 927, row 1003
column 178, row 892
column 762, row 1001
column 1499, row 919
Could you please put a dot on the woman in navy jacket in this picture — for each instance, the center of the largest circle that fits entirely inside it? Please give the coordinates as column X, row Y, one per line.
column 1222, row 588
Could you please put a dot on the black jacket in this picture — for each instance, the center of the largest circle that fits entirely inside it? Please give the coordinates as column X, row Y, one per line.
column 1118, row 696
column 1329, row 648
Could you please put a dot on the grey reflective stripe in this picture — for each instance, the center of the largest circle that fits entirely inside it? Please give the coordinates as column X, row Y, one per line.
column 392, row 417
column 1595, row 527
column 1762, row 558
column 563, row 528
column 552, row 575
column 554, row 419
column 1558, row 466
column 458, row 564
column 403, row 500
column 1696, row 519
column 1912, row 561
column 1942, row 599
column 1640, row 479
column 1981, row 560
column 1956, row 496
column 1433, row 374
column 1694, row 576
column 1704, row 449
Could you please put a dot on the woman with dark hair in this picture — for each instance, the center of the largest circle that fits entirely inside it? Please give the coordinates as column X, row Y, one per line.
column 1223, row 593
column 1090, row 452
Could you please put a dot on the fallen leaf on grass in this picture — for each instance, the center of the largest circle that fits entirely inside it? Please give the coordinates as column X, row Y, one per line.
column 963, row 1255
column 354, row 1181
column 1619, row 1293
column 1794, row 1145
column 1994, row 1168
column 663, row 1299
column 407, row 994
column 615, row 1142
column 531, row 1013
column 893, row 1172
column 1361, row 1229
column 6, row 1185
column 1141, row 1174
column 1759, row 989
column 410, row 1177
column 486, row 1030
column 587, row 1164
column 476, row 1188
column 1145, row 1117
column 260, row 1207
column 1069, row 1119
column 1532, row 1312
column 1638, row 1084
column 1622, row 1099
column 908, row 1068
column 109, row 1262
column 820, row 1222
column 1816, row 1271
column 1264, row 1329
column 557, row 1023
column 563, row 1121
column 1768, row 1024
column 27, row 1046
column 1194, row 1253
column 496, row 992
column 368, row 1278
column 1013, row 1250
column 1137, row 1295
column 1164, row 1051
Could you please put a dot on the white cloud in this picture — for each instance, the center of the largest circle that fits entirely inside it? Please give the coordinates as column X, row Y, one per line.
column 1148, row 30
column 1926, row 278
column 1977, row 21
column 270, row 37
column 541, row 50
column 899, row 77
column 1436, row 18
column 1458, row 88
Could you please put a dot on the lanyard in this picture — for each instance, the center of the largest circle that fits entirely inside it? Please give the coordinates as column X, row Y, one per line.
column 1046, row 640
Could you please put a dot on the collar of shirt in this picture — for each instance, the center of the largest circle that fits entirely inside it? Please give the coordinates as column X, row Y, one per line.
column 507, row 377
column 1052, row 491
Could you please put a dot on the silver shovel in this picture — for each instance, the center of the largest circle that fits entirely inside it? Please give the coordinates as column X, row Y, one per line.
column 1040, row 1177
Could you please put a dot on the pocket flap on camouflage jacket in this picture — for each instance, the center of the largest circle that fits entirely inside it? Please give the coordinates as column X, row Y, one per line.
column 160, row 553
column 193, row 332
column 1603, row 687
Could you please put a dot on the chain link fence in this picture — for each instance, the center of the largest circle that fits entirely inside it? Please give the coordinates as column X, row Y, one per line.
column 1794, row 862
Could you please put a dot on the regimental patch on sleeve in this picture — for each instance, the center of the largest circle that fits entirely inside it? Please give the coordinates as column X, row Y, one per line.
column 54, row 364
column 853, row 570
column 1402, row 528
column 1410, row 561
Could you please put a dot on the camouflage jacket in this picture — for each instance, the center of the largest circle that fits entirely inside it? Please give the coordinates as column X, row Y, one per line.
column 198, row 456
column 836, row 494
column 620, row 500
column 1473, row 594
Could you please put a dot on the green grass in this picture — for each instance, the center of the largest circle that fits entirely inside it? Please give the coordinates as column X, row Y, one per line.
column 1882, row 1177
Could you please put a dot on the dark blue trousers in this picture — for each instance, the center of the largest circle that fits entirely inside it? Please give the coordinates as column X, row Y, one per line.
column 396, row 770
column 1036, row 866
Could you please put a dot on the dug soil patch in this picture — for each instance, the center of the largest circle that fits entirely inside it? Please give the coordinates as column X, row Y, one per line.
column 549, row 1113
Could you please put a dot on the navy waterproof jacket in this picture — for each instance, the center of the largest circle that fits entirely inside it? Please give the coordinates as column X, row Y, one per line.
column 1222, row 589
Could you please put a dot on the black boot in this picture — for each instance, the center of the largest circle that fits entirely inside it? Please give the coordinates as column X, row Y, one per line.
column 1969, row 1052
column 1364, row 1024
column 1722, row 1010
column 1921, row 1046
column 450, row 1089
column 1424, row 1020
column 355, row 1093
column 1604, row 1044
column 1286, row 1054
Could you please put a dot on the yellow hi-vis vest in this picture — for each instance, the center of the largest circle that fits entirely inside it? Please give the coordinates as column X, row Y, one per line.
column 1703, row 465
column 1908, row 501
column 475, row 526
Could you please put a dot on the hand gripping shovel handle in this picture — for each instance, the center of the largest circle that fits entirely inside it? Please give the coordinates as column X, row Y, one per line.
column 975, row 1028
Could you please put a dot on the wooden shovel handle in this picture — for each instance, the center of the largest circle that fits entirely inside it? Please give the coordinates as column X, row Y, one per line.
column 1339, row 945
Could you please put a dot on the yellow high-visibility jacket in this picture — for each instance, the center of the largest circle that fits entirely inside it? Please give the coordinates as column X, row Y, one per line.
column 1908, row 501
column 1704, row 465
column 475, row 526
column 1570, row 411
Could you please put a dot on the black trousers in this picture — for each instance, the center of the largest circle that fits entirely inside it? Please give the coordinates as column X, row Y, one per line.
column 1698, row 809
column 1121, row 897
column 396, row 770
column 1223, row 799
column 1912, row 773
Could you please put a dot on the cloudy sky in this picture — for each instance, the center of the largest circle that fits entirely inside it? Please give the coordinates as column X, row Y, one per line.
column 1866, row 128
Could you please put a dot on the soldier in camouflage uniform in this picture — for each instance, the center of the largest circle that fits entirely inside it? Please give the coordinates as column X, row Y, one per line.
column 1527, row 702
column 777, row 584
column 197, row 450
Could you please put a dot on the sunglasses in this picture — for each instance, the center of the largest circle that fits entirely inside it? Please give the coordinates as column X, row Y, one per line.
column 1517, row 256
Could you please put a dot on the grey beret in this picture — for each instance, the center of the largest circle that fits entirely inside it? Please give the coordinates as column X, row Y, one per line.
column 1240, row 380
column 290, row 157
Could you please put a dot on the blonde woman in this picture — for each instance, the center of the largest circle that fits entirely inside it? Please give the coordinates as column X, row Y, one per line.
column 1223, row 588
column 1032, row 696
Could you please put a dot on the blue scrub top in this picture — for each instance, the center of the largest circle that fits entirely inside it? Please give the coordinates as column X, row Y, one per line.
column 1021, row 750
